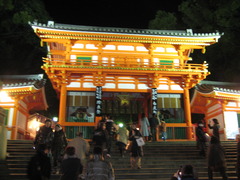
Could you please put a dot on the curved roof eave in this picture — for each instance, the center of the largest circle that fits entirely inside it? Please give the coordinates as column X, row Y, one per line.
column 125, row 31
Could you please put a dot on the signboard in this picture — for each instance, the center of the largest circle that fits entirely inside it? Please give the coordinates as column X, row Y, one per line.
column 154, row 100
column 99, row 101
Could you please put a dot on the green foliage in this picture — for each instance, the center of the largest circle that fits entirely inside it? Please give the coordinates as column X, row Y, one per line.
column 209, row 16
column 163, row 20
column 20, row 47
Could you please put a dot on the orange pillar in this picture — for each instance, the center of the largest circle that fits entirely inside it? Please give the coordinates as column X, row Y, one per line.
column 187, row 113
column 63, row 103
column 14, row 121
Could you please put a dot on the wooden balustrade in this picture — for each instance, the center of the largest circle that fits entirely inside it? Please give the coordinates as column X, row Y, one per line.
column 125, row 63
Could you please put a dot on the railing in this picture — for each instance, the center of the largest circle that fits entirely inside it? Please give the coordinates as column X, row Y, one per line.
column 126, row 63
column 20, row 132
column 178, row 133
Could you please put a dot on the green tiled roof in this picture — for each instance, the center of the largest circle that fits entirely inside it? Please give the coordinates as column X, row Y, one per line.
column 209, row 86
column 180, row 33
column 13, row 81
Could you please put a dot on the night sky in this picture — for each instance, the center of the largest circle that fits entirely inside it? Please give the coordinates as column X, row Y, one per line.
column 108, row 13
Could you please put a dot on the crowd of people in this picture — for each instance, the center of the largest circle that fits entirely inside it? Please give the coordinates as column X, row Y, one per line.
column 54, row 153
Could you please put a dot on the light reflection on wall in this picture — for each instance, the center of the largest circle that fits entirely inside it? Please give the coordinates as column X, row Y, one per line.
column 231, row 123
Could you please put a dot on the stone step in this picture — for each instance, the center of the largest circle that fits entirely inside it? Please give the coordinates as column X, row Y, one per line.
column 160, row 161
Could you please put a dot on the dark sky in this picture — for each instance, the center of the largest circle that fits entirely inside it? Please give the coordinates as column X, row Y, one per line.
column 108, row 13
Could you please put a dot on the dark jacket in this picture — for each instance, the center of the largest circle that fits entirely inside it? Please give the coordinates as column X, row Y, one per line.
column 39, row 166
column 153, row 122
column 215, row 129
column 44, row 136
column 200, row 134
column 59, row 141
column 135, row 149
column 71, row 167
column 100, row 137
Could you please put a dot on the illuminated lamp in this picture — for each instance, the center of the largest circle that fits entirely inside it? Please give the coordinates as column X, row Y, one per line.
column 120, row 125
column 55, row 119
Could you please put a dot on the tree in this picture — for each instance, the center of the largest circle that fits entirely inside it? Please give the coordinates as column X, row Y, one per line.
column 20, row 49
column 209, row 16
column 163, row 20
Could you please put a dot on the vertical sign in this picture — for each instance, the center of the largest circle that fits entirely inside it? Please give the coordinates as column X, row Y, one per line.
column 99, row 101
column 154, row 100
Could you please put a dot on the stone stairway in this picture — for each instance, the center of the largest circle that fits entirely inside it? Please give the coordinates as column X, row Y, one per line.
column 160, row 161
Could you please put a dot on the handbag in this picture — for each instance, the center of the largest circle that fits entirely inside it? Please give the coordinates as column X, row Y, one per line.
column 140, row 141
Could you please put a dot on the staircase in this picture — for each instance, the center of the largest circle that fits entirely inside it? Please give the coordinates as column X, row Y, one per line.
column 161, row 160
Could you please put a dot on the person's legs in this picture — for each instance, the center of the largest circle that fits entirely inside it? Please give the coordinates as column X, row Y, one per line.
column 133, row 162
column 164, row 136
column 210, row 173
column 110, row 144
column 222, row 171
column 139, row 162
column 202, row 149
column 153, row 130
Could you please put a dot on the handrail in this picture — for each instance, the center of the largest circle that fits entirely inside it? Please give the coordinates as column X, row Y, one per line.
column 173, row 132
column 125, row 63
column 19, row 130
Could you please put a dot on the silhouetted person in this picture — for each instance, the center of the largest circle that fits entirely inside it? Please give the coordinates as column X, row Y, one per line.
column 136, row 152
column 71, row 166
column 100, row 138
column 111, row 129
column 82, row 147
column 163, row 130
column 186, row 172
column 215, row 127
column 59, row 144
column 44, row 135
column 145, row 126
column 201, row 140
column 216, row 159
column 122, row 139
column 153, row 125
column 39, row 167
column 97, row 168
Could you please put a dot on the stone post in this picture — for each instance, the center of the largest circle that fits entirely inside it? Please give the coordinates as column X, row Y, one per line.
column 3, row 135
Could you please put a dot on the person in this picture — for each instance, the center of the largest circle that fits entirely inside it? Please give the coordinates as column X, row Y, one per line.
column 71, row 166
column 44, row 135
column 201, row 140
column 58, row 146
column 163, row 130
column 122, row 139
column 39, row 166
column 216, row 158
column 153, row 125
column 100, row 138
column 111, row 129
column 145, row 126
column 98, row 168
column 102, row 121
column 186, row 172
column 136, row 152
column 81, row 146
column 238, row 156
column 215, row 128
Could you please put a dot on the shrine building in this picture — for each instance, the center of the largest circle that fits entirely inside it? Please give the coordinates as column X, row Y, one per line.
column 220, row 100
column 21, row 97
column 123, row 72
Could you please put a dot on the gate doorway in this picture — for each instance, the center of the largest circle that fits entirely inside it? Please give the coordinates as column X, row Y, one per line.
column 125, row 107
